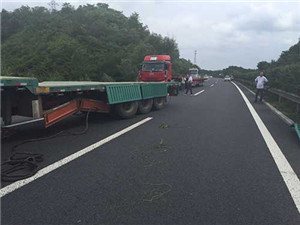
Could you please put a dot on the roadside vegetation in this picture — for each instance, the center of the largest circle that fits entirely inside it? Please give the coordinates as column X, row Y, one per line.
column 92, row 42
column 283, row 73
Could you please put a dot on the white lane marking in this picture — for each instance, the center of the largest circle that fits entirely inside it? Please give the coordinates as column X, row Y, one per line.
column 280, row 114
column 26, row 122
column 212, row 85
column 18, row 184
column 289, row 176
column 198, row 93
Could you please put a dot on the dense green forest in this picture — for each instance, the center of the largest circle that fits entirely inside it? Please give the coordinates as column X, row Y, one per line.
column 282, row 74
column 92, row 42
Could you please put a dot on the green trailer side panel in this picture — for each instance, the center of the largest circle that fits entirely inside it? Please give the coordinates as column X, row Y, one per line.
column 71, row 86
column 153, row 90
column 123, row 93
column 297, row 128
column 29, row 82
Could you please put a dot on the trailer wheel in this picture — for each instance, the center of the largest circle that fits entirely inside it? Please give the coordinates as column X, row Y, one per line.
column 127, row 109
column 158, row 103
column 7, row 109
column 145, row 106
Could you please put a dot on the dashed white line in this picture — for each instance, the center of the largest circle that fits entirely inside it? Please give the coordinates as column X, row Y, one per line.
column 18, row 184
column 289, row 176
column 212, row 85
column 198, row 93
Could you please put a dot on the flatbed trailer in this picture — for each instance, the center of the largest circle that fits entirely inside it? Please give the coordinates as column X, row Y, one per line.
column 56, row 100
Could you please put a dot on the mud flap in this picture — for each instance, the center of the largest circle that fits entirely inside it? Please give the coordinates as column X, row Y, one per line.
column 54, row 115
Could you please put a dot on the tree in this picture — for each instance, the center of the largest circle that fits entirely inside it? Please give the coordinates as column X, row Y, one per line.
column 78, row 44
column 262, row 66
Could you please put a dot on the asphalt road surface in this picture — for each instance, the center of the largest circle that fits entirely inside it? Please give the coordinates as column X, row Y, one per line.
column 200, row 160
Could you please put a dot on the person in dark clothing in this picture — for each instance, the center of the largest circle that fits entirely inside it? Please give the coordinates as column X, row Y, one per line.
column 189, row 84
column 186, row 82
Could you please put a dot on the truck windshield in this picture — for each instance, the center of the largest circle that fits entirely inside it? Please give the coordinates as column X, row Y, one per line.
column 153, row 67
column 193, row 72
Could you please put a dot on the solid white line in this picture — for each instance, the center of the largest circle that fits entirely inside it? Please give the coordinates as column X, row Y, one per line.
column 212, row 85
column 18, row 184
column 26, row 122
column 289, row 176
column 280, row 114
column 198, row 92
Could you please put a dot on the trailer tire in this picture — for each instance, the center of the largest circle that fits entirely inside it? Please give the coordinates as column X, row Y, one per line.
column 6, row 109
column 127, row 109
column 158, row 103
column 145, row 106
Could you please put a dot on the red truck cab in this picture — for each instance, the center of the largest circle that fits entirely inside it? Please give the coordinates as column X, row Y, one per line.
column 156, row 68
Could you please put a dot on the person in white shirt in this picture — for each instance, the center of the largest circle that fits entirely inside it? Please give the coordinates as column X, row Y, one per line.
column 189, row 84
column 260, row 82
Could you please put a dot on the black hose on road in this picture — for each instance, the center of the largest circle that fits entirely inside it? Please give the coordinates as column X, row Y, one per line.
column 22, row 165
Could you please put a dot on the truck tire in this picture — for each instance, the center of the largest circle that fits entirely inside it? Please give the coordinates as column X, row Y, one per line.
column 145, row 106
column 7, row 109
column 158, row 103
column 127, row 109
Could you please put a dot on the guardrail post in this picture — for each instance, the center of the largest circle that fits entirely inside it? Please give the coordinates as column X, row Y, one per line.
column 279, row 98
column 298, row 108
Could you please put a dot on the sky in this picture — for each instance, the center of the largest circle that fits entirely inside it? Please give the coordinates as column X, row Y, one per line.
column 224, row 33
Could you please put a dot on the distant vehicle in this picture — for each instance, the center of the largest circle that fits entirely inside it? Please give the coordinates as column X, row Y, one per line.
column 156, row 68
column 231, row 77
column 227, row 78
column 205, row 77
column 197, row 79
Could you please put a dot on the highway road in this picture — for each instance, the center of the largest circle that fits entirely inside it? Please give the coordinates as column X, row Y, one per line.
column 205, row 159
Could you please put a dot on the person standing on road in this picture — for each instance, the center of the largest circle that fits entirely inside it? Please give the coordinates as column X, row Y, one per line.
column 260, row 83
column 189, row 84
column 186, row 78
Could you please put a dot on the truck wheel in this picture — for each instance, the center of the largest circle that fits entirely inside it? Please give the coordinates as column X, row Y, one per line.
column 6, row 113
column 145, row 106
column 127, row 109
column 158, row 103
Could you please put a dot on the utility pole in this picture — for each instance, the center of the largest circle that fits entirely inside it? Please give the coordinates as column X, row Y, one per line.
column 52, row 5
column 195, row 56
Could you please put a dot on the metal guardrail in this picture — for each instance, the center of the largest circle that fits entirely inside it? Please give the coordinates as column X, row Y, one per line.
column 286, row 95
column 280, row 93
